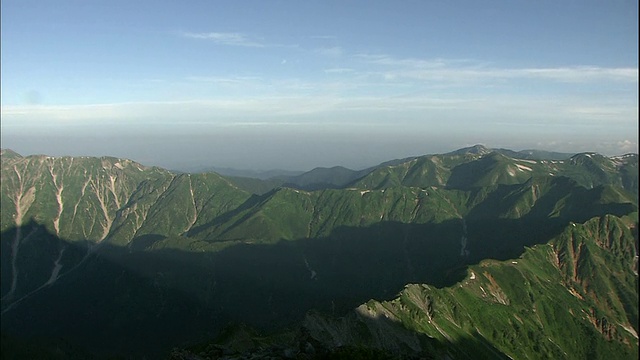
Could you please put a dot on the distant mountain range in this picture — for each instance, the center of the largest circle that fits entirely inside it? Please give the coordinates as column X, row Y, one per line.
column 478, row 253
column 254, row 174
column 338, row 176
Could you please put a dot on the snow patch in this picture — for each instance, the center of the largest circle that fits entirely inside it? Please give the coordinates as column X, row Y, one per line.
column 522, row 167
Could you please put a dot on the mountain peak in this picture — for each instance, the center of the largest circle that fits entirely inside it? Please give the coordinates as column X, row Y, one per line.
column 475, row 150
column 8, row 153
column 587, row 157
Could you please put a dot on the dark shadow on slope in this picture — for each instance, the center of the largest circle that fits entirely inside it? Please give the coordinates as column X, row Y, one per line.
column 41, row 349
column 388, row 334
column 563, row 203
column 39, row 250
column 467, row 175
column 354, row 336
column 146, row 302
column 252, row 201
column 97, row 305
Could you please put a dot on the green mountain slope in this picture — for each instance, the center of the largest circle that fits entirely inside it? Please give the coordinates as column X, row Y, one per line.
column 77, row 198
column 558, row 300
column 484, row 167
column 161, row 259
column 89, row 202
column 328, row 178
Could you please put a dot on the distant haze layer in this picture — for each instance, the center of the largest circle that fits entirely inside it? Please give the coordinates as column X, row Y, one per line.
column 291, row 147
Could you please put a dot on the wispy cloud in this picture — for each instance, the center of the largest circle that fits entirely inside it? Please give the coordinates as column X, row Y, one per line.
column 334, row 52
column 513, row 122
column 626, row 146
column 338, row 70
column 601, row 112
column 464, row 70
column 580, row 73
column 224, row 38
column 224, row 80
column 515, row 111
column 323, row 37
column 388, row 60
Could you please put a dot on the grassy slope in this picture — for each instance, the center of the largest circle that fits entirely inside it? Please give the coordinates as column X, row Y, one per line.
column 549, row 303
column 391, row 214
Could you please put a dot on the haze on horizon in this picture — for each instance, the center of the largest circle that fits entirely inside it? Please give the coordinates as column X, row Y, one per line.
column 294, row 85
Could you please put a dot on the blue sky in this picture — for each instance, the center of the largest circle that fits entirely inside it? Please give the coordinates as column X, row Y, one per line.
column 299, row 84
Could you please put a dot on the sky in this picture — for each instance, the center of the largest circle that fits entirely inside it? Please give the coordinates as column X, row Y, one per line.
column 299, row 84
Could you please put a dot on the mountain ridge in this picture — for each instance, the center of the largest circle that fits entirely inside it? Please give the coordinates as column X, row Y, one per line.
column 108, row 228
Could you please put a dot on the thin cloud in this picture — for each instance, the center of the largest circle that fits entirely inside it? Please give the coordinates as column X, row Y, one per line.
column 231, row 39
column 566, row 75
column 387, row 60
column 338, row 70
column 627, row 146
column 323, row 37
column 333, row 52
column 600, row 111
column 582, row 73
column 464, row 70
column 522, row 111
column 223, row 80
